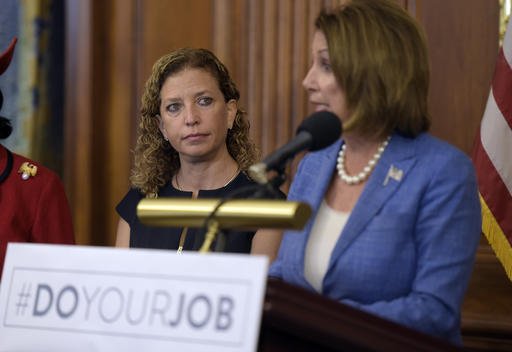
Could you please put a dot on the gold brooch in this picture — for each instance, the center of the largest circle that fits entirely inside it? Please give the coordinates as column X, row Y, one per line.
column 26, row 170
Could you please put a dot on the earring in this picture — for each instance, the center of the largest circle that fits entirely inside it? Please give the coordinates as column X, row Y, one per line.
column 166, row 139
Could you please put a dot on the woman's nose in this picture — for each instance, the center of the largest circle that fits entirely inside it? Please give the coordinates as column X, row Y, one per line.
column 191, row 115
column 307, row 82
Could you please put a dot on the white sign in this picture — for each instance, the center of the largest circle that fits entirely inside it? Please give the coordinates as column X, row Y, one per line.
column 77, row 298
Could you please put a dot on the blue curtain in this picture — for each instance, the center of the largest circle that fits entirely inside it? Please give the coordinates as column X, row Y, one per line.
column 41, row 81
column 8, row 80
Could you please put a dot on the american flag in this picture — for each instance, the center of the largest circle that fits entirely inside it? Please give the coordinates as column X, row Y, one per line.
column 492, row 157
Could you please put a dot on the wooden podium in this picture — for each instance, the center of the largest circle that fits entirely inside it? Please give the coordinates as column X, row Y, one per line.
column 295, row 319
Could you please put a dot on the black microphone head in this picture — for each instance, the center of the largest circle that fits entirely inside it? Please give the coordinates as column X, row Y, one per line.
column 324, row 127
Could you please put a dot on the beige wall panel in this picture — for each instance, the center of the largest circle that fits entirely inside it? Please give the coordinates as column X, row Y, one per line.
column 166, row 25
column 252, row 91
column 268, row 55
column 78, row 116
column 113, row 157
column 462, row 57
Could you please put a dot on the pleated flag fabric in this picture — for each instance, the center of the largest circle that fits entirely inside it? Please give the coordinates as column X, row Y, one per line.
column 492, row 157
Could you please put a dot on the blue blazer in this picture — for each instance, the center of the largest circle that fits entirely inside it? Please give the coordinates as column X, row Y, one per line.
column 407, row 250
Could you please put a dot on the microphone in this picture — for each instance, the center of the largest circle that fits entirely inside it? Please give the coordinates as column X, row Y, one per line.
column 317, row 131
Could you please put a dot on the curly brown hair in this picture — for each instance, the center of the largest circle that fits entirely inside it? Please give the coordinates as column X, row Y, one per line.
column 155, row 160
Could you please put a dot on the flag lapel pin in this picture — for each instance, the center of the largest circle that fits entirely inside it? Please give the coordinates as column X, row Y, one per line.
column 393, row 173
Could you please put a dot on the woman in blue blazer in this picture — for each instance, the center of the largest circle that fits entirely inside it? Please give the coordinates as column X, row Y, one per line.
column 396, row 215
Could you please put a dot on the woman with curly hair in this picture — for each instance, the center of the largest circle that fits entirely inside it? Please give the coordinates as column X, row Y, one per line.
column 193, row 142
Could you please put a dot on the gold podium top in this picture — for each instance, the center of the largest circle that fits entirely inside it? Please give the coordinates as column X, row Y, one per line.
column 236, row 213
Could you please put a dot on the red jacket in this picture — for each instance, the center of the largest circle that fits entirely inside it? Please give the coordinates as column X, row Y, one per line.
column 32, row 210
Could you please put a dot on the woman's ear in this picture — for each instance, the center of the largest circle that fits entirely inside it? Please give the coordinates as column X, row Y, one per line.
column 232, row 108
column 161, row 127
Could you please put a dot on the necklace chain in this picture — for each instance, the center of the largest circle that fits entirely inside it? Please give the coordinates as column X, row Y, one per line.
column 227, row 183
column 363, row 175
column 183, row 235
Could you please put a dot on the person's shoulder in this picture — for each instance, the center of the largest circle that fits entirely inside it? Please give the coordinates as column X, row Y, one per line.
column 243, row 179
column 432, row 146
column 134, row 194
column 28, row 169
column 441, row 155
column 127, row 205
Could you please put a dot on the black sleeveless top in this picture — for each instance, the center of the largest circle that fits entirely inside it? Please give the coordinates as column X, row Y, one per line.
column 142, row 236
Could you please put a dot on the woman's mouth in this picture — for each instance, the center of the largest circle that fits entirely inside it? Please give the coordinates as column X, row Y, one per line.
column 195, row 136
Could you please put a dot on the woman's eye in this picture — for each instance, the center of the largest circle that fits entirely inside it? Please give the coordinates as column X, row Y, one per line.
column 173, row 108
column 326, row 65
column 205, row 101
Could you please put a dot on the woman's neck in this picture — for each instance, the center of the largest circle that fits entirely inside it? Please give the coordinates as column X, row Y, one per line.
column 361, row 145
column 359, row 150
column 205, row 175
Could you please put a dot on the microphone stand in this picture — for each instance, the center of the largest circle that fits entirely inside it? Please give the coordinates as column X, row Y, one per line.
column 213, row 229
column 271, row 188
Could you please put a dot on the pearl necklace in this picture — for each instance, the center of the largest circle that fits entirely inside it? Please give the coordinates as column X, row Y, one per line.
column 363, row 175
